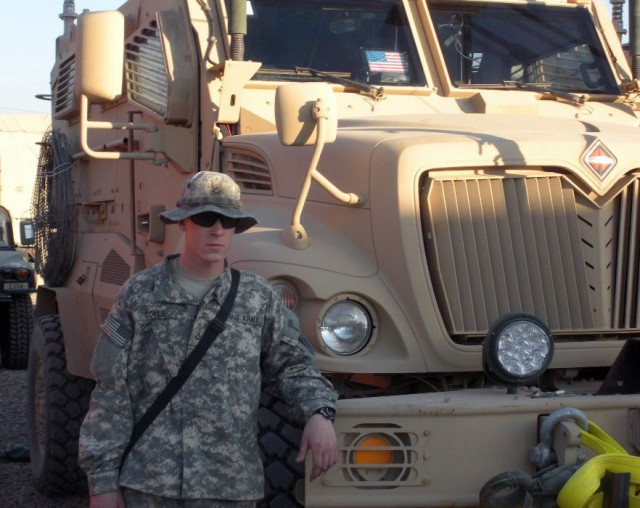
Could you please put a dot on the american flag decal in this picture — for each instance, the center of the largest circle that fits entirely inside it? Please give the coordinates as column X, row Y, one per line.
column 386, row 61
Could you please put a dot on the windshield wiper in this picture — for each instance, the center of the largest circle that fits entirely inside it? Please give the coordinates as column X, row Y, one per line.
column 545, row 88
column 377, row 92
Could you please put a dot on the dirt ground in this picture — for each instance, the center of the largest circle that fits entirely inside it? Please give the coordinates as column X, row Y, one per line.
column 16, row 486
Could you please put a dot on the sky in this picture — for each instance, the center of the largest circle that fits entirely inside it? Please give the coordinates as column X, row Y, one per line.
column 28, row 30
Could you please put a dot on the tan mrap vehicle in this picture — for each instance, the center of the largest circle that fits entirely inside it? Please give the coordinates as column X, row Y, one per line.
column 448, row 199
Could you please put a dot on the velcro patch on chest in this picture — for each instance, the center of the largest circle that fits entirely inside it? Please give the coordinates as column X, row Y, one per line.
column 249, row 319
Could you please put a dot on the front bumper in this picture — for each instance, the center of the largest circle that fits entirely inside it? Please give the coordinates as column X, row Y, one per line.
column 447, row 445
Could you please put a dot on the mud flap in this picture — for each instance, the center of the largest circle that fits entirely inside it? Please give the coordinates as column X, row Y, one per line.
column 623, row 376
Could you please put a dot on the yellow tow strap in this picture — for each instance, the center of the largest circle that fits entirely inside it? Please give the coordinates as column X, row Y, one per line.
column 582, row 490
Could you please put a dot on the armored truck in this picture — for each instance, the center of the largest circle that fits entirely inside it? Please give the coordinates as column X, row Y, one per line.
column 18, row 283
column 447, row 194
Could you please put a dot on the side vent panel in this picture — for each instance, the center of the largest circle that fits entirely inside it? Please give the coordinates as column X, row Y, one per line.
column 64, row 102
column 250, row 171
column 115, row 270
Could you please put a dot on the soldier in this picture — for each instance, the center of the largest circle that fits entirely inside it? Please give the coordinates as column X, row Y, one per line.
column 201, row 449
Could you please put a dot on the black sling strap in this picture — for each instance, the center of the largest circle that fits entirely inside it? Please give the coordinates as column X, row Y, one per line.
column 191, row 362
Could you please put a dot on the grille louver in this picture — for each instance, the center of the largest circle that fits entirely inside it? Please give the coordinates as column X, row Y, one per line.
column 534, row 244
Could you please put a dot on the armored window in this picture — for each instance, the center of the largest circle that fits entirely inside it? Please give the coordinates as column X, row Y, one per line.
column 369, row 41
column 147, row 80
column 553, row 45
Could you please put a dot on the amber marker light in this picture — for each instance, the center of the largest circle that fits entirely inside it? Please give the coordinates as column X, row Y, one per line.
column 22, row 274
column 368, row 454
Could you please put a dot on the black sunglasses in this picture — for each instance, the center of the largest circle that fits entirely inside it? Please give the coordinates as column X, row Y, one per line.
column 208, row 219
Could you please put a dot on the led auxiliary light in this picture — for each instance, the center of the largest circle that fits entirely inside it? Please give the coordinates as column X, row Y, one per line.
column 517, row 349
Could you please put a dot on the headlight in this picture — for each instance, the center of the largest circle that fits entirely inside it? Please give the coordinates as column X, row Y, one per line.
column 346, row 327
column 517, row 349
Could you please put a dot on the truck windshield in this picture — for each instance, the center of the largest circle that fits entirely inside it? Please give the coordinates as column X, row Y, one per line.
column 5, row 225
column 492, row 43
column 368, row 41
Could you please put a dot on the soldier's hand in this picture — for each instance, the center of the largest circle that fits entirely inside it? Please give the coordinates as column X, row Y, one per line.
column 107, row 500
column 319, row 438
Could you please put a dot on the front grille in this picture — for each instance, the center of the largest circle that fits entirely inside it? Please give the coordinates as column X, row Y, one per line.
column 531, row 243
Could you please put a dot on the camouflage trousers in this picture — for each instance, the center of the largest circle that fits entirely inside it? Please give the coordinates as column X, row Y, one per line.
column 136, row 499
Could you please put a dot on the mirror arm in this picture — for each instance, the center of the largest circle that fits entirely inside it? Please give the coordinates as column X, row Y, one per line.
column 295, row 235
column 86, row 124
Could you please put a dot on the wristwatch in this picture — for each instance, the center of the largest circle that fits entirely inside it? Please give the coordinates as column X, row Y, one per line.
column 328, row 412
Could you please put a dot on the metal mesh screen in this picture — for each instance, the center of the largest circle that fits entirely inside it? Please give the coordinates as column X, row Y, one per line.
column 53, row 210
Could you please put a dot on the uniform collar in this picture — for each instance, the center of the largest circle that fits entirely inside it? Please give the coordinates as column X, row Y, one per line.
column 167, row 288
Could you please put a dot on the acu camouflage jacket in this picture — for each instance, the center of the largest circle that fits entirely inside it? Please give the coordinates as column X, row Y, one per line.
column 204, row 443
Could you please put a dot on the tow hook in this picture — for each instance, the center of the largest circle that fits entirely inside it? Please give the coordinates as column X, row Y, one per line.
column 543, row 454
column 557, row 455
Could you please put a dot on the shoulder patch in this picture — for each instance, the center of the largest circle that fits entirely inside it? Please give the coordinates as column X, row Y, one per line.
column 117, row 332
column 291, row 323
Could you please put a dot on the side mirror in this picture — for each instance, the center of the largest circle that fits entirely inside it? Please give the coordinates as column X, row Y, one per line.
column 306, row 114
column 297, row 115
column 27, row 233
column 99, row 78
column 100, row 57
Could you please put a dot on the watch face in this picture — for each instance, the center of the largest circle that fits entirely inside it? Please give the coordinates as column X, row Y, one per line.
column 328, row 412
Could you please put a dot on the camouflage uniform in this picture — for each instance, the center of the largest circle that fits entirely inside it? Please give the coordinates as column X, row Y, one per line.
column 204, row 443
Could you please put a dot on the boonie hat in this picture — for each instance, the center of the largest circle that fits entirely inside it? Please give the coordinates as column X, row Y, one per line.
column 209, row 191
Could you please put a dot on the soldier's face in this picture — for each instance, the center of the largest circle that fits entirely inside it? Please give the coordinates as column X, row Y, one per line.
column 205, row 248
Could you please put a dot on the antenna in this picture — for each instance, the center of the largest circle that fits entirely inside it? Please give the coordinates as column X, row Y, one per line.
column 68, row 16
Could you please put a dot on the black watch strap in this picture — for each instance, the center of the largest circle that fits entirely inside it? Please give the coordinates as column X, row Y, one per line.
column 328, row 412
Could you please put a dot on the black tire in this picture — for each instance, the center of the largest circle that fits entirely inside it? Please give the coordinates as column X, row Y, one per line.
column 279, row 440
column 14, row 347
column 56, row 405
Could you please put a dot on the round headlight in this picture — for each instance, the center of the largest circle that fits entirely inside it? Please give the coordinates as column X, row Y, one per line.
column 517, row 349
column 346, row 327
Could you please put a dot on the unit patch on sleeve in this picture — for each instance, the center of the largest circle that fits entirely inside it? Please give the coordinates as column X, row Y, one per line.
column 117, row 332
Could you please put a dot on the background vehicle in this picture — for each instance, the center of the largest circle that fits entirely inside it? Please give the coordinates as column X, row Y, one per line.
column 18, row 281
column 433, row 180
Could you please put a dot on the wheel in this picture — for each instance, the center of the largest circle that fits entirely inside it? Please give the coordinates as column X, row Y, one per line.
column 14, row 347
column 279, row 440
column 56, row 405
